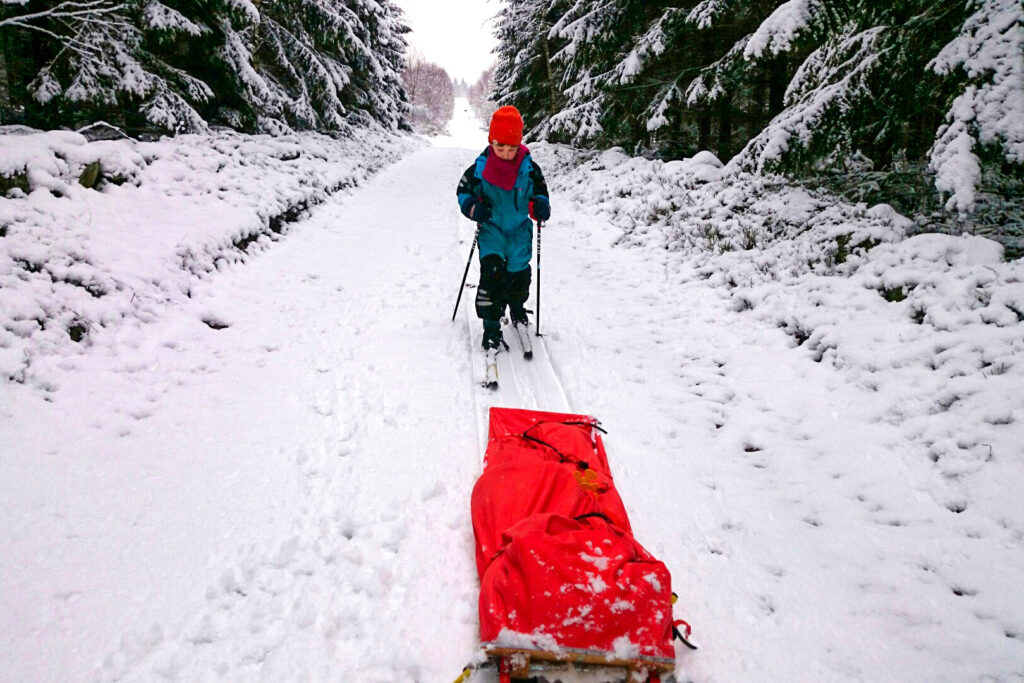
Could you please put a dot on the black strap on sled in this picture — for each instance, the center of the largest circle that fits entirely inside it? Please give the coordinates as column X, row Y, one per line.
column 679, row 634
column 580, row 518
column 580, row 423
column 562, row 457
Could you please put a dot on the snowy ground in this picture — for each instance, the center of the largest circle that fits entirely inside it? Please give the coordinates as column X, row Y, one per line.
column 262, row 471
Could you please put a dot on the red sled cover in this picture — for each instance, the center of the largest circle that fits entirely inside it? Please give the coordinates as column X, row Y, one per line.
column 556, row 557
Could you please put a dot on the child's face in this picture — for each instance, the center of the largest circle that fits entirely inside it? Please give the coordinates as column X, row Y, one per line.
column 505, row 152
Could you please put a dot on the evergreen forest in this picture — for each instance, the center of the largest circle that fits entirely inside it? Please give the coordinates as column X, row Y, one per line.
column 162, row 66
column 918, row 103
column 915, row 103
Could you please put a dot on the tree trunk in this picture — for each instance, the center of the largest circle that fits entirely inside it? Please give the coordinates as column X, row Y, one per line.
column 725, row 128
column 778, row 79
column 703, row 129
column 759, row 111
column 703, row 115
column 552, row 107
column 5, row 87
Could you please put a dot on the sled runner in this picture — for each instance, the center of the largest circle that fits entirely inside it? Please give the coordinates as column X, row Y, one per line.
column 516, row 664
column 563, row 583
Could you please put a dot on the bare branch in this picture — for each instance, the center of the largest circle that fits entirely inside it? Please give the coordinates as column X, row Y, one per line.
column 86, row 12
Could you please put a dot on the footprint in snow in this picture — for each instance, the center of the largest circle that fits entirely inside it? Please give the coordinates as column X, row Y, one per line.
column 433, row 491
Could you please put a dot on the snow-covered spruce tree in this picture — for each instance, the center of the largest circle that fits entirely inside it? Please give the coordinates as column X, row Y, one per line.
column 591, row 34
column 861, row 82
column 81, row 61
column 624, row 68
column 985, row 121
column 314, row 64
column 710, row 98
column 901, row 101
column 377, row 61
column 431, row 95
column 306, row 64
column 525, row 75
column 885, row 88
column 147, row 66
column 620, row 63
column 174, row 65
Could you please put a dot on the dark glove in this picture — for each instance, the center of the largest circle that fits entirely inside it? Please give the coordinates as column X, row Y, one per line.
column 540, row 210
column 476, row 209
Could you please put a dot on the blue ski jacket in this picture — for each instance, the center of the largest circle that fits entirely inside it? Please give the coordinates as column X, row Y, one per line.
column 509, row 231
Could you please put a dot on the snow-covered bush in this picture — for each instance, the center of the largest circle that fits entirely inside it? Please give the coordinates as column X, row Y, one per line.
column 57, row 158
column 431, row 95
column 77, row 263
column 934, row 323
column 480, row 93
column 693, row 206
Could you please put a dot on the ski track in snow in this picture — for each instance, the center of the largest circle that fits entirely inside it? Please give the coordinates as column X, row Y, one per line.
column 523, row 383
column 287, row 498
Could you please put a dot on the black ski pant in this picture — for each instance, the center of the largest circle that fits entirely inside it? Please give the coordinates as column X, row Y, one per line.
column 500, row 288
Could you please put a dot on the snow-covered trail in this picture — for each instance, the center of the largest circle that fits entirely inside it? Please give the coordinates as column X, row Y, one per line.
column 350, row 591
column 273, row 482
column 283, row 497
column 532, row 384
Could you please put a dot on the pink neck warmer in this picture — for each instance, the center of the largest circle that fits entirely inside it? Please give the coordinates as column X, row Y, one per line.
column 503, row 173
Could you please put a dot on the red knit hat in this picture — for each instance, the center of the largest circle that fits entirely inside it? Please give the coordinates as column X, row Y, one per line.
column 506, row 127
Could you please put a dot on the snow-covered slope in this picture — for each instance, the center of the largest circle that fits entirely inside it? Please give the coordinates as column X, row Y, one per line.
column 269, row 478
column 77, row 264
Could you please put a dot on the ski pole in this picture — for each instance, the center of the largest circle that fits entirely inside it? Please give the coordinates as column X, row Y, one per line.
column 466, row 274
column 540, row 224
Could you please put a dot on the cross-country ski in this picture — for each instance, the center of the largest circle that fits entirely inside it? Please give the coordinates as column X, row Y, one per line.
column 491, row 369
column 522, row 333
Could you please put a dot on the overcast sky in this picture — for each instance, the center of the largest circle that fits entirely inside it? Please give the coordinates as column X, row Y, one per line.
column 457, row 34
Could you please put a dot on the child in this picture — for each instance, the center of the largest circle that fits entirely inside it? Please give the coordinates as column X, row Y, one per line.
column 502, row 191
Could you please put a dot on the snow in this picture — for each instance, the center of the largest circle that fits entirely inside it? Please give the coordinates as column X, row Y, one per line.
column 161, row 17
column 829, row 81
column 167, row 216
column 779, row 31
column 257, row 462
column 990, row 49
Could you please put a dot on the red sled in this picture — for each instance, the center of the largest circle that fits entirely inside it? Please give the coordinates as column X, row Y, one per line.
column 562, row 580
